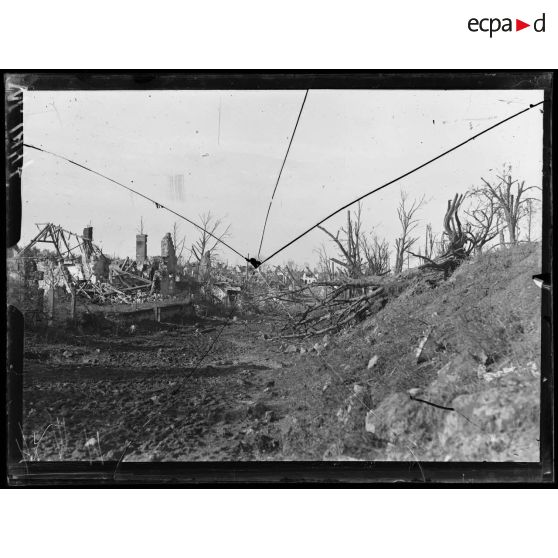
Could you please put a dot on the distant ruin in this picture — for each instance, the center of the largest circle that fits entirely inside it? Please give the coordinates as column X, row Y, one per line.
column 45, row 283
column 141, row 248
column 168, row 254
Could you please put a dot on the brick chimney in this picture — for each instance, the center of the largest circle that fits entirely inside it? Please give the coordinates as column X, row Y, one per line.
column 141, row 248
column 87, row 240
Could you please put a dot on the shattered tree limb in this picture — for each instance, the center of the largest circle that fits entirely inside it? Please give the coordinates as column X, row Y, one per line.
column 333, row 313
column 457, row 249
column 361, row 282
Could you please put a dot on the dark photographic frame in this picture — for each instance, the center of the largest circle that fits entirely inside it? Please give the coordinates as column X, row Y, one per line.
column 126, row 473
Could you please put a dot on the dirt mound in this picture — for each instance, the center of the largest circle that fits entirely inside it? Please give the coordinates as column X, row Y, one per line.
column 494, row 417
column 478, row 335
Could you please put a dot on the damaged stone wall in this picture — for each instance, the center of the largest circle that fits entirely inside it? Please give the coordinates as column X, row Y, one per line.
column 168, row 253
column 204, row 269
column 141, row 248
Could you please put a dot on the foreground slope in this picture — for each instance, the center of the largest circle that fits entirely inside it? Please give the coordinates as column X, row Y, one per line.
column 471, row 344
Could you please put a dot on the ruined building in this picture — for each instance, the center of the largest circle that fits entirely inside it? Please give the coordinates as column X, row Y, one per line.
column 42, row 280
column 168, row 253
column 204, row 269
column 141, row 248
column 88, row 241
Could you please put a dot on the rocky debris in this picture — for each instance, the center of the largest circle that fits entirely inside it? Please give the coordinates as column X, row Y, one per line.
column 428, row 347
column 480, row 355
column 333, row 452
column 358, row 389
column 266, row 443
column 258, row 410
column 288, row 425
column 261, row 439
column 495, row 424
column 534, row 369
column 273, row 364
column 511, row 371
column 112, row 455
column 269, row 416
column 372, row 362
column 422, row 354
column 225, row 363
column 447, row 372
column 90, row 443
column 244, row 382
column 77, row 455
column 318, row 348
column 341, row 450
column 353, row 406
column 90, row 360
column 389, row 419
column 495, row 420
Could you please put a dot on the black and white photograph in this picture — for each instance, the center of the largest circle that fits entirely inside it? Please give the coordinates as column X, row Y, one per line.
column 279, row 273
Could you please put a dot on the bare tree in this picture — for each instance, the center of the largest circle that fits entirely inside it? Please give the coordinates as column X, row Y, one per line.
column 326, row 266
column 210, row 237
column 360, row 253
column 434, row 245
column 406, row 214
column 207, row 243
column 179, row 242
column 429, row 241
column 484, row 220
column 455, row 244
column 349, row 240
column 294, row 273
column 292, row 265
column 510, row 200
column 452, row 226
column 376, row 253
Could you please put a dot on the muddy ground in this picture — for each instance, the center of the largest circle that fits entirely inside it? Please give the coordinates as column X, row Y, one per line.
column 142, row 396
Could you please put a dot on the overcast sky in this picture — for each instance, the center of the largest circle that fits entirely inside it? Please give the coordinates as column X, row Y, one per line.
column 229, row 145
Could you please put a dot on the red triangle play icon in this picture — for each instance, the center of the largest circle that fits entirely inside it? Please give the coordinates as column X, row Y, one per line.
column 519, row 25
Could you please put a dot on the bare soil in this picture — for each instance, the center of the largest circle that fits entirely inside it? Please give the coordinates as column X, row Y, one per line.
column 144, row 393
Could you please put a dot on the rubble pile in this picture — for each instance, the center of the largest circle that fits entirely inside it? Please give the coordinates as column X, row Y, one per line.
column 78, row 266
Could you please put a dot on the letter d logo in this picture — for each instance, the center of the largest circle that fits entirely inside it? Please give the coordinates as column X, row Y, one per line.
column 539, row 24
